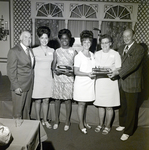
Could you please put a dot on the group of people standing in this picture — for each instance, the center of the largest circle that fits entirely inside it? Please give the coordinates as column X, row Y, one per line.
column 65, row 74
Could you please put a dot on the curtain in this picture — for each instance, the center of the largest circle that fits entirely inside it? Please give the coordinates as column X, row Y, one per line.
column 77, row 26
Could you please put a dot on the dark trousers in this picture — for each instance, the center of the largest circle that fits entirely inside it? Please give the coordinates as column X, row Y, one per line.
column 22, row 104
column 127, row 111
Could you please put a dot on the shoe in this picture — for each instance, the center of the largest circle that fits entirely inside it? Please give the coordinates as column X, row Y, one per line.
column 87, row 126
column 120, row 128
column 43, row 123
column 55, row 126
column 124, row 137
column 106, row 131
column 48, row 125
column 84, row 131
column 98, row 128
column 66, row 127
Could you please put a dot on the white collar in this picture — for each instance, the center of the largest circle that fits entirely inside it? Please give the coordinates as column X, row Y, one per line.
column 130, row 45
column 23, row 46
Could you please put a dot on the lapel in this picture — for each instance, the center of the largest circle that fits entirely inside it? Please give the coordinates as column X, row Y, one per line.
column 22, row 53
column 129, row 51
column 121, row 50
column 32, row 57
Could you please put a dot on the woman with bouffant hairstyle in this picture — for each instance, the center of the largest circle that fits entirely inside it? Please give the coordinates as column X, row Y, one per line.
column 43, row 81
column 84, row 79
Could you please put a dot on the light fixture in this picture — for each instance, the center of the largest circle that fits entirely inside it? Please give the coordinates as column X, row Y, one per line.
column 3, row 29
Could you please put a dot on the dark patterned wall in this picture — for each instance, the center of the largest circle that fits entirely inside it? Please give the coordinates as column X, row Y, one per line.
column 142, row 26
column 21, row 17
column 22, row 12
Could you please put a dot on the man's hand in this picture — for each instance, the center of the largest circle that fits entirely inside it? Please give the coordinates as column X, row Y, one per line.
column 18, row 91
column 113, row 74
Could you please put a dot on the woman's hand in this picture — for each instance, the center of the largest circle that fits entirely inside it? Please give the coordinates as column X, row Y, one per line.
column 91, row 75
column 68, row 73
column 58, row 72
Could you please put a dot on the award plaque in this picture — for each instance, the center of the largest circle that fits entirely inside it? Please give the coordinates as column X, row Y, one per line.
column 64, row 68
column 101, row 72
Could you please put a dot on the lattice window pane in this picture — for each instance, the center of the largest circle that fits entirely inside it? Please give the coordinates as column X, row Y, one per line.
column 110, row 14
column 125, row 14
column 42, row 11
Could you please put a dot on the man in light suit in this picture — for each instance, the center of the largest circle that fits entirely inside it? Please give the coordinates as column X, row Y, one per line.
column 20, row 64
column 130, row 82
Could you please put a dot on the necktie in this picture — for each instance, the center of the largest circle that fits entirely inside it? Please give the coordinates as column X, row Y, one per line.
column 28, row 54
column 125, row 50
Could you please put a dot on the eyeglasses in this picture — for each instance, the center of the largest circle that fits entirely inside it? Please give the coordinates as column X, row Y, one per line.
column 105, row 43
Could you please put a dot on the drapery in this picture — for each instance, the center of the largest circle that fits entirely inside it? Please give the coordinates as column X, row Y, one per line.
column 77, row 26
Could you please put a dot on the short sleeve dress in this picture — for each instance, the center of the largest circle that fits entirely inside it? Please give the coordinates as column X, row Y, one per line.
column 43, row 81
column 63, row 85
column 84, row 85
column 107, row 91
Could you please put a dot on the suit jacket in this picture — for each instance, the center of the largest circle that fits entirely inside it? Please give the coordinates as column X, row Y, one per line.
column 131, row 70
column 19, row 68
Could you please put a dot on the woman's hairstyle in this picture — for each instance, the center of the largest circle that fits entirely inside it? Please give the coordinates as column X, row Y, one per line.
column 64, row 31
column 106, row 36
column 86, row 34
column 43, row 30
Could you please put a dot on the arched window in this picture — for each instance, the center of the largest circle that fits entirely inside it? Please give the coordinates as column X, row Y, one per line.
column 78, row 16
column 83, row 11
column 117, row 12
column 49, row 10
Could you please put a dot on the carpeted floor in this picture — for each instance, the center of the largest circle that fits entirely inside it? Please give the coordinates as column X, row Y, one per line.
column 73, row 139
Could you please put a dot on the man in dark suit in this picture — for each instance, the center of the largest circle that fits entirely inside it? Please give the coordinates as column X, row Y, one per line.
column 130, row 82
column 20, row 64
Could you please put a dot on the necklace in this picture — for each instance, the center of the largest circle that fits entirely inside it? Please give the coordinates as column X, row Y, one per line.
column 44, row 50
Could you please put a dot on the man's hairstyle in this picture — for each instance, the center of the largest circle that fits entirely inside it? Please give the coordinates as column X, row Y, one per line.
column 22, row 32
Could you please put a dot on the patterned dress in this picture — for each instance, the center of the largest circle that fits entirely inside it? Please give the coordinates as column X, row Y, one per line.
column 63, row 85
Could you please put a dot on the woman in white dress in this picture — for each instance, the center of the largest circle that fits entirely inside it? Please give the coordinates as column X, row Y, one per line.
column 84, row 79
column 43, row 81
column 107, row 90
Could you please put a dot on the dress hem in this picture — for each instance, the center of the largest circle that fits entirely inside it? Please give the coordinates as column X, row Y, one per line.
column 106, row 106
